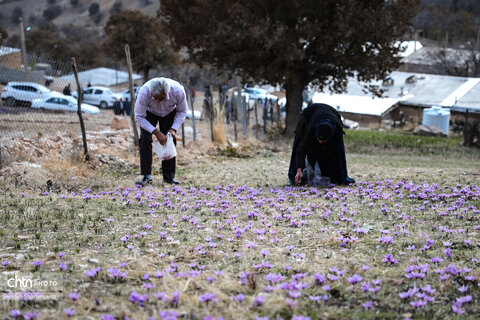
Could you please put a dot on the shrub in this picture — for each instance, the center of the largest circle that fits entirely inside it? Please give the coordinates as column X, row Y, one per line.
column 97, row 17
column 52, row 12
column 117, row 7
column 93, row 9
column 74, row 3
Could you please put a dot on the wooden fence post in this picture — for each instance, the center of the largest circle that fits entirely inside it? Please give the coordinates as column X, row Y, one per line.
column 212, row 113
column 256, row 120
column 183, row 123
column 190, row 101
column 79, row 110
column 132, row 96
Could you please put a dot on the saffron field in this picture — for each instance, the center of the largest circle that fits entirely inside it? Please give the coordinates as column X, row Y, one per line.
column 233, row 242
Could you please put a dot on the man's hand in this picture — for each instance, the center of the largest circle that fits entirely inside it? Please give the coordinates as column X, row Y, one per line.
column 162, row 139
column 173, row 132
column 298, row 176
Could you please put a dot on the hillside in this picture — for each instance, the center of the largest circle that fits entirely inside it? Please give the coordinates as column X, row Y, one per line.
column 33, row 12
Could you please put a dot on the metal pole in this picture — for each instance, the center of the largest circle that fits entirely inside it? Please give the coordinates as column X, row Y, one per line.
column 24, row 48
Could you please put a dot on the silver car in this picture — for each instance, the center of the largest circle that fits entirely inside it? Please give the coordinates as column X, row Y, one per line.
column 63, row 103
column 98, row 96
column 16, row 93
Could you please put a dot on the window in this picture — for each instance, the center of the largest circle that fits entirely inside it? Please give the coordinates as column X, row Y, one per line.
column 98, row 91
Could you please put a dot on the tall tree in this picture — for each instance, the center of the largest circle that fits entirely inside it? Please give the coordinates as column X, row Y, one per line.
column 292, row 42
column 148, row 45
column 48, row 44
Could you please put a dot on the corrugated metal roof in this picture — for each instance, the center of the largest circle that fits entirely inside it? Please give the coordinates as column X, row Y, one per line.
column 102, row 77
column 426, row 90
column 435, row 55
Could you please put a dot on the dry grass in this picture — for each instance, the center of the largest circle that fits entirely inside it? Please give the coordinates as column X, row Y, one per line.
column 226, row 203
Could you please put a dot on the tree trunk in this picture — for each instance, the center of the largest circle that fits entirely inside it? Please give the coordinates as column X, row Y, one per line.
column 294, row 88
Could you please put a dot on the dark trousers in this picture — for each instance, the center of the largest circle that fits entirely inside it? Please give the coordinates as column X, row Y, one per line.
column 145, row 141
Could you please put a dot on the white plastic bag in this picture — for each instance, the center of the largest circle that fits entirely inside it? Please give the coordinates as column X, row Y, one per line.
column 166, row 151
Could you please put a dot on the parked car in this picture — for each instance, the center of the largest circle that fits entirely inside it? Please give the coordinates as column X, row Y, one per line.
column 62, row 102
column 198, row 114
column 98, row 96
column 259, row 95
column 15, row 93
column 126, row 94
column 246, row 96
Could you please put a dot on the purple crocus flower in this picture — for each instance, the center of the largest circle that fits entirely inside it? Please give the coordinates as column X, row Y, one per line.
column 238, row 298
column 74, row 296
column 175, row 298
column 295, row 317
column 319, row 278
column 32, row 315
column 463, row 289
column 389, row 259
column 37, row 263
column 259, row 300
column 207, row 297
column 355, row 279
column 418, row 303
column 69, row 312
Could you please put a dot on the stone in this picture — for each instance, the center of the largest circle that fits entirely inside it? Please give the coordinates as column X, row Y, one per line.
column 119, row 123
column 428, row 131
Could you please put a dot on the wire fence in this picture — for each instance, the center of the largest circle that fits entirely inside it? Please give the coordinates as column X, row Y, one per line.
column 38, row 97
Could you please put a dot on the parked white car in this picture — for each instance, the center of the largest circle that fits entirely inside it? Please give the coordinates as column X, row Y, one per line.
column 198, row 114
column 247, row 98
column 62, row 102
column 98, row 96
column 259, row 95
column 126, row 94
column 15, row 93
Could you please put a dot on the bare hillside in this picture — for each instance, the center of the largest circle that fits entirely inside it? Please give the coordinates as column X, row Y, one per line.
column 33, row 12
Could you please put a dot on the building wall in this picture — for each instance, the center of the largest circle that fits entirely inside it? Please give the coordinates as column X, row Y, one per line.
column 364, row 120
column 12, row 60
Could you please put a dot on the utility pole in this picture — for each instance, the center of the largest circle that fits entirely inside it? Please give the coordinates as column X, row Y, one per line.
column 23, row 48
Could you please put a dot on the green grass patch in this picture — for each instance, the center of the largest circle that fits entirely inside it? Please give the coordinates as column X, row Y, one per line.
column 398, row 142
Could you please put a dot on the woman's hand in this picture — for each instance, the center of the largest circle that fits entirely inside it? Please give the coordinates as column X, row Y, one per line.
column 298, row 176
